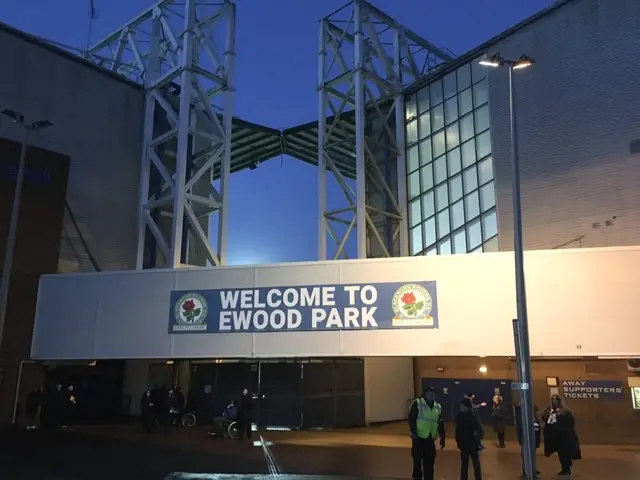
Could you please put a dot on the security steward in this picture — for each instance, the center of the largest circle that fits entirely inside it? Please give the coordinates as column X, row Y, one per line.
column 426, row 424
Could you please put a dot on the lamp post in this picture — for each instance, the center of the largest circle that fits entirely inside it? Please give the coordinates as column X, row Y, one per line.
column 523, row 354
column 27, row 127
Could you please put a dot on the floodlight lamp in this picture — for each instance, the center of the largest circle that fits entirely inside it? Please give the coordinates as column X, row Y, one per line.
column 493, row 61
column 17, row 117
column 40, row 124
column 523, row 62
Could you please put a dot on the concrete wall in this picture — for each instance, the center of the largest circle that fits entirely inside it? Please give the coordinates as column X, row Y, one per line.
column 577, row 115
column 573, row 293
column 97, row 122
column 388, row 386
column 598, row 421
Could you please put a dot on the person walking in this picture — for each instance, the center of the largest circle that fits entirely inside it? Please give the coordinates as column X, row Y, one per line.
column 560, row 435
column 469, row 440
column 499, row 419
column 426, row 425
column 245, row 414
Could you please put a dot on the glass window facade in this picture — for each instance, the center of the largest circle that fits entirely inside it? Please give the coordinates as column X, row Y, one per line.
column 450, row 183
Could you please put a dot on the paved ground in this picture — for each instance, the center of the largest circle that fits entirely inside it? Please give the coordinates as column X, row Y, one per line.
column 124, row 453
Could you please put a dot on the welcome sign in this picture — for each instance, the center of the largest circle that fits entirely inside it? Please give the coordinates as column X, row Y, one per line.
column 373, row 306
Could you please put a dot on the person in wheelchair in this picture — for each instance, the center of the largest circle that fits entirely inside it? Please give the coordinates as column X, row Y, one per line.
column 221, row 423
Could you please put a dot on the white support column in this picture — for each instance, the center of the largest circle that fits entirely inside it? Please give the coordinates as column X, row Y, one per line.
column 368, row 59
column 322, row 127
column 190, row 81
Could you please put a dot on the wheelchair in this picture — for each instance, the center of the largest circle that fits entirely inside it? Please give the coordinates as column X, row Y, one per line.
column 225, row 429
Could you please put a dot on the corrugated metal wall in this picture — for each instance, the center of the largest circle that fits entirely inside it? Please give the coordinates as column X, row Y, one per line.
column 578, row 111
column 98, row 123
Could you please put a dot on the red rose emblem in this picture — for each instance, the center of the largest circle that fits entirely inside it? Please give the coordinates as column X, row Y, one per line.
column 188, row 305
column 409, row 298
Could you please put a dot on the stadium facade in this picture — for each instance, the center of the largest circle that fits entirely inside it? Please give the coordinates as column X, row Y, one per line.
column 422, row 156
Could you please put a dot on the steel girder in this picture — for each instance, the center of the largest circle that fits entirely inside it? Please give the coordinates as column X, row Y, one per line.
column 365, row 60
column 183, row 52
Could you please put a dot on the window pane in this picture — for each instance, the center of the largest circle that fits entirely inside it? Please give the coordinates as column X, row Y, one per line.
column 437, row 118
column 468, row 153
column 413, row 160
column 482, row 118
column 460, row 242
column 416, row 240
column 451, row 110
column 454, row 161
column 425, row 125
column 472, row 205
column 464, row 77
column 473, row 234
column 426, row 174
column 410, row 107
column 436, row 92
column 470, row 179
column 425, row 151
column 443, row 223
column 423, row 100
column 439, row 146
column 492, row 245
column 485, row 170
column 414, row 213
column 455, row 188
column 490, row 224
column 412, row 132
column 480, row 94
column 414, row 185
column 440, row 167
column 428, row 204
column 466, row 128
column 457, row 214
column 432, row 251
column 478, row 72
column 429, row 229
column 453, row 137
column 465, row 102
column 444, row 247
column 442, row 197
column 487, row 197
column 450, row 86
column 483, row 143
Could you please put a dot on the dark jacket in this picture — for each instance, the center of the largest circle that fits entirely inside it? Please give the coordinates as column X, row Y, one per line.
column 560, row 435
column 499, row 417
column 468, row 432
column 246, row 407
column 413, row 416
column 34, row 400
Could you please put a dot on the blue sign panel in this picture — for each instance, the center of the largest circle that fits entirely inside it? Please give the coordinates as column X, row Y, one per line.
column 374, row 306
column 592, row 389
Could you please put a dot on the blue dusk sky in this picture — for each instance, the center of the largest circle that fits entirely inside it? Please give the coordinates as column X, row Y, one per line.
column 273, row 209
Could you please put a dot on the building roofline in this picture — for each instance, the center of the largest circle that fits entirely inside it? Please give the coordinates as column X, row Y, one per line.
column 51, row 47
column 481, row 49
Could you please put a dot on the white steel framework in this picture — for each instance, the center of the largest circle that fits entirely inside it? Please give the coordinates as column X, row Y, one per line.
column 183, row 51
column 365, row 60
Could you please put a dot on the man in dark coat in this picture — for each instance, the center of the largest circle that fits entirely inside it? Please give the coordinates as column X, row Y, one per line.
column 34, row 402
column 147, row 411
column 468, row 438
column 560, row 435
column 245, row 414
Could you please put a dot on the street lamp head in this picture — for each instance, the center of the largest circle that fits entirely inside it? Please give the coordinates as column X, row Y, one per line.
column 523, row 62
column 17, row 117
column 492, row 61
column 40, row 125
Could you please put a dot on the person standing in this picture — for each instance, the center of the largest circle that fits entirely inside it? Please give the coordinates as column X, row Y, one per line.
column 426, row 425
column 147, row 411
column 245, row 414
column 469, row 439
column 560, row 435
column 34, row 404
column 499, row 419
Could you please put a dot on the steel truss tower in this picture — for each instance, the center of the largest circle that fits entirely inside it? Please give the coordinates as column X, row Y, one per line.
column 365, row 60
column 183, row 51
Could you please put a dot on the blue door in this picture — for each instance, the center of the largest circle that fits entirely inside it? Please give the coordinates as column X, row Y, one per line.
column 449, row 392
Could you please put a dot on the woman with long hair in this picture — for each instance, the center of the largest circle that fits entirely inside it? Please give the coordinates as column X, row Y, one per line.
column 560, row 435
